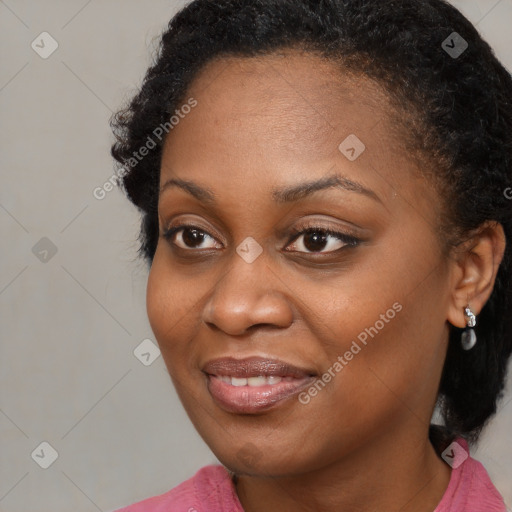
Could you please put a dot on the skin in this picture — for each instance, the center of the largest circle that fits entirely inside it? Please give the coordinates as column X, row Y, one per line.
column 362, row 442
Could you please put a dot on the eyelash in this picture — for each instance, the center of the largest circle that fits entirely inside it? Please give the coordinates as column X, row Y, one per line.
column 348, row 240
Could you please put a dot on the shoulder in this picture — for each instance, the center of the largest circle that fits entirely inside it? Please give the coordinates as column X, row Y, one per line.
column 470, row 488
column 210, row 485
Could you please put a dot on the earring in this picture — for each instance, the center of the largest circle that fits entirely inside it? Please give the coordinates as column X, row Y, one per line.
column 468, row 338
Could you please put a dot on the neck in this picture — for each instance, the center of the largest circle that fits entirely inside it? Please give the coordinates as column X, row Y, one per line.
column 397, row 475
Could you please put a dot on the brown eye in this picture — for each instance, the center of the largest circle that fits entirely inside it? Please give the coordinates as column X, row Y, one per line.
column 189, row 237
column 316, row 239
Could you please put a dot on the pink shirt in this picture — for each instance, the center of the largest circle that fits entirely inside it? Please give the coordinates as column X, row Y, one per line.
column 211, row 490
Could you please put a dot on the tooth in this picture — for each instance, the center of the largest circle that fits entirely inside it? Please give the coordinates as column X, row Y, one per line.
column 225, row 378
column 238, row 382
column 273, row 379
column 257, row 381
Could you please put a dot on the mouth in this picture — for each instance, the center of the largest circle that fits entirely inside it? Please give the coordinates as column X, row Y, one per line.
column 254, row 384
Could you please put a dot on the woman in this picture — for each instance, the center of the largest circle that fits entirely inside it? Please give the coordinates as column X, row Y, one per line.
column 323, row 188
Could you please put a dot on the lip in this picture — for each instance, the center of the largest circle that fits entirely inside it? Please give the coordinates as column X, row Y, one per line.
column 254, row 366
column 253, row 399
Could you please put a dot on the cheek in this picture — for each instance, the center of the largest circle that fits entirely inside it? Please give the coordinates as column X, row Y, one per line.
column 169, row 306
column 159, row 301
column 387, row 376
column 386, row 322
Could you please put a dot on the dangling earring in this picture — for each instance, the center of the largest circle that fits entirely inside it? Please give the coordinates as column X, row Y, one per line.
column 468, row 338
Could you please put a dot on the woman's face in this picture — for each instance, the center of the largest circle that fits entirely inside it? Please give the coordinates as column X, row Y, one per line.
column 360, row 314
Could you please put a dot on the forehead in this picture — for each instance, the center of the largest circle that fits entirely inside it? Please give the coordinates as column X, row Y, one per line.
column 289, row 101
column 283, row 116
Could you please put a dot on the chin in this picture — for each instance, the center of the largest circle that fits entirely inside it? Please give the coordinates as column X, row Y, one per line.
column 251, row 460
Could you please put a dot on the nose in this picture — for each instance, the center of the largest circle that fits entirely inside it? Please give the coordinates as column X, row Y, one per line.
column 248, row 295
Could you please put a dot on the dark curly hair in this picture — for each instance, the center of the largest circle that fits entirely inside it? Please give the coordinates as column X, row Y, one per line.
column 457, row 111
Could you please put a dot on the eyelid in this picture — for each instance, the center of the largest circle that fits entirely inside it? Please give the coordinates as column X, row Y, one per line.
column 321, row 224
column 324, row 225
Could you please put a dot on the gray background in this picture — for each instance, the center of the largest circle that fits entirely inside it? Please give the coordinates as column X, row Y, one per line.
column 70, row 321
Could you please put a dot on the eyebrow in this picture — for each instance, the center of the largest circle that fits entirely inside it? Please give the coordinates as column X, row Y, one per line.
column 283, row 195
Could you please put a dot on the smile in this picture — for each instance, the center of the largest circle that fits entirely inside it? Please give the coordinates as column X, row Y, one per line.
column 252, row 385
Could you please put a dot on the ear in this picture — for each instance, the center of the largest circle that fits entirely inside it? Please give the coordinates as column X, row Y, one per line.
column 475, row 266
